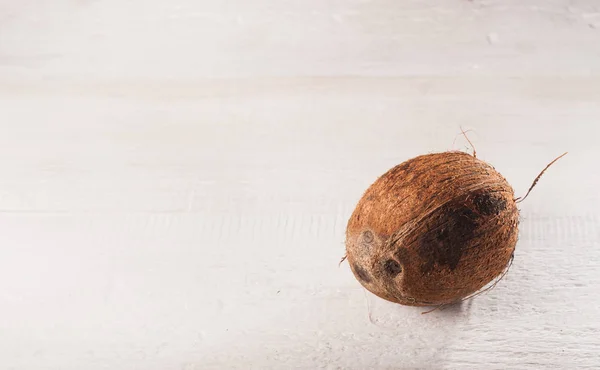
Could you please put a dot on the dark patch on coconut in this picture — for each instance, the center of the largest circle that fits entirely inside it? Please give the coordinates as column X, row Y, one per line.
column 362, row 273
column 392, row 267
column 488, row 204
column 444, row 246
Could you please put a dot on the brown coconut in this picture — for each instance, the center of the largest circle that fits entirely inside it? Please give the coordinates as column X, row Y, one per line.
column 433, row 230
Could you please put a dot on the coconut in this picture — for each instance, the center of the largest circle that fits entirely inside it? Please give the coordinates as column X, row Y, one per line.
column 433, row 230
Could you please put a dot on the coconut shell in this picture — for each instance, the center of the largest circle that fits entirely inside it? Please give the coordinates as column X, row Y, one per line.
column 433, row 230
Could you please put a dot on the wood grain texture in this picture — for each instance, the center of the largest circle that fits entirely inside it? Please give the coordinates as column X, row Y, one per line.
column 176, row 179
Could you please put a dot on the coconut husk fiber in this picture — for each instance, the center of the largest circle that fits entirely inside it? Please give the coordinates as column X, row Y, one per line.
column 433, row 230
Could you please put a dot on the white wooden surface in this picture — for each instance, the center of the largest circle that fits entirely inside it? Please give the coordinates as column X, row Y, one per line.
column 176, row 177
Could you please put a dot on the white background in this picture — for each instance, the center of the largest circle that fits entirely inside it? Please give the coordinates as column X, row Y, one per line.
column 176, row 178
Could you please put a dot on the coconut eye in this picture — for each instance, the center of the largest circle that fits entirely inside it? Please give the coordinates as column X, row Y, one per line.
column 368, row 237
column 361, row 273
column 392, row 267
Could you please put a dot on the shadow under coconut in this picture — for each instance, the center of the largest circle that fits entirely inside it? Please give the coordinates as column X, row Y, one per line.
column 423, row 330
column 388, row 315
